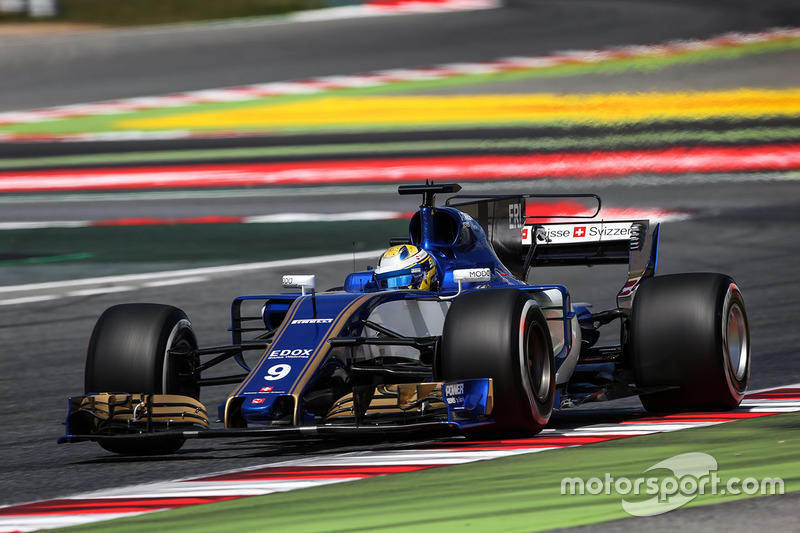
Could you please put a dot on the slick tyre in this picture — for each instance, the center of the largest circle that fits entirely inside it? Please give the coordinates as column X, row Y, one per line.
column 690, row 332
column 502, row 334
column 129, row 351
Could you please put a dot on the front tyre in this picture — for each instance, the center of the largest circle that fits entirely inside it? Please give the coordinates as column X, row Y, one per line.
column 690, row 332
column 502, row 334
column 129, row 351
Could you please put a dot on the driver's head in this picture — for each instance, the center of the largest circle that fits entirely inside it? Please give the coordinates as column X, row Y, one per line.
column 406, row 267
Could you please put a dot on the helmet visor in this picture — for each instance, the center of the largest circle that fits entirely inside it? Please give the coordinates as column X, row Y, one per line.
column 397, row 282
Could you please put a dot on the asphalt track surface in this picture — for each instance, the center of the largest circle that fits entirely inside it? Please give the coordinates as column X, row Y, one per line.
column 740, row 228
column 743, row 225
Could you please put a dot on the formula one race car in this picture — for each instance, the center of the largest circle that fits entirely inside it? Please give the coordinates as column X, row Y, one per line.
column 444, row 335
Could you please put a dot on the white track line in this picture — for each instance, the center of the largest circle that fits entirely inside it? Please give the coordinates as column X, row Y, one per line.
column 257, row 219
column 61, row 289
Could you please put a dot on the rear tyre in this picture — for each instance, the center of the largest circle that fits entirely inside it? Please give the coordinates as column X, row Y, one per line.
column 129, row 352
column 690, row 331
column 502, row 334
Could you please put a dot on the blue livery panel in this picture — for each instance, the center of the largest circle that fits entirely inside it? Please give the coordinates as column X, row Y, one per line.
column 299, row 342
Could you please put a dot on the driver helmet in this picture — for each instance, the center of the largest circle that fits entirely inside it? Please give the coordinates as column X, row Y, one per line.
column 406, row 267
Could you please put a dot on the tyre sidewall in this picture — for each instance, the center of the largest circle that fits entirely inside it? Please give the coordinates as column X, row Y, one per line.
column 736, row 386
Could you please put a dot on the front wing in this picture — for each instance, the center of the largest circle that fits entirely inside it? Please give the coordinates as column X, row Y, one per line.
column 443, row 407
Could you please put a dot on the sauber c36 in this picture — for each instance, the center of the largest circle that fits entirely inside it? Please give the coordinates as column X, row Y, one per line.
column 483, row 353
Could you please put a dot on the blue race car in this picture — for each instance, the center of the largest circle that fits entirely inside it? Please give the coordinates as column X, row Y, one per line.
column 444, row 335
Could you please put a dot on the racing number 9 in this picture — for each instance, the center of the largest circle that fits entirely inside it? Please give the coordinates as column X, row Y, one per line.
column 278, row 372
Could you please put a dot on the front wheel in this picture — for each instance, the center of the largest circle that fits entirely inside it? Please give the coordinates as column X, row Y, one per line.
column 130, row 351
column 502, row 334
column 690, row 332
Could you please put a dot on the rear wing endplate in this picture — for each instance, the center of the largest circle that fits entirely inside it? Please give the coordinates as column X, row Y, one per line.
column 522, row 241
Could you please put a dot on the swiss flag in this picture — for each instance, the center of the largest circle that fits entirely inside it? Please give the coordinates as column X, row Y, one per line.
column 579, row 231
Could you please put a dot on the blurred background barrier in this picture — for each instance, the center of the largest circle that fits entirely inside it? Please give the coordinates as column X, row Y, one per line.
column 32, row 8
column 140, row 12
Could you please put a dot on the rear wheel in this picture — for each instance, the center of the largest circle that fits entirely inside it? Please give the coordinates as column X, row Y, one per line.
column 129, row 351
column 690, row 331
column 502, row 334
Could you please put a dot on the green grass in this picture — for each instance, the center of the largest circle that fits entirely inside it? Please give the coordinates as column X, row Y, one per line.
column 218, row 243
column 520, row 493
column 105, row 123
column 145, row 12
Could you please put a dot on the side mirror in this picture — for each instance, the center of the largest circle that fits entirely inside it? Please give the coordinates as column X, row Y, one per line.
column 303, row 282
column 470, row 275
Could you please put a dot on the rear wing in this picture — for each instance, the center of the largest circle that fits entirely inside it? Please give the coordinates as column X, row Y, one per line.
column 523, row 240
